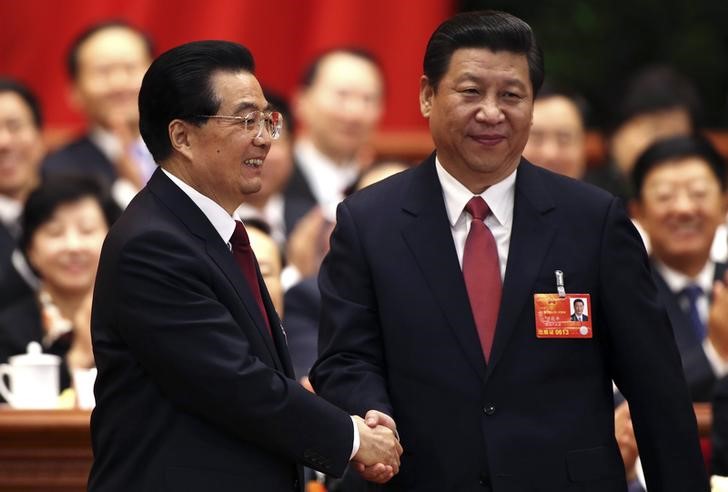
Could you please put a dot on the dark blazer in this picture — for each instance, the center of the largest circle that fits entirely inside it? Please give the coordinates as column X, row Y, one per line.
column 302, row 306
column 584, row 317
column 193, row 393
column 698, row 371
column 397, row 334
column 81, row 156
column 12, row 286
column 720, row 428
column 299, row 198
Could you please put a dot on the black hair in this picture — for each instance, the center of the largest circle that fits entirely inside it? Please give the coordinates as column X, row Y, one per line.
column 673, row 148
column 491, row 29
column 279, row 103
column 311, row 71
column 577, row 300
column 11, row 85
column 58, row 190
column 86, row 34
column 177, row 85
column 657, row 88
column 551, row 89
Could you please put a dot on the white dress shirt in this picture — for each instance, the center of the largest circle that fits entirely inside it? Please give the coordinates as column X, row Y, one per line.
column 500, row 199
column 224, row 224
column 326, row 178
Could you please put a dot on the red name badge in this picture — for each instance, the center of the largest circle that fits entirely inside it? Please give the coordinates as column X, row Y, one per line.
column 563, row 317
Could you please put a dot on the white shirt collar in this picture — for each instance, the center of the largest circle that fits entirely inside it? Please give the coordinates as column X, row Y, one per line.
column 326, row 178
column 10, row 211
column 499, row 196
column 677, row 281
column 222, row 221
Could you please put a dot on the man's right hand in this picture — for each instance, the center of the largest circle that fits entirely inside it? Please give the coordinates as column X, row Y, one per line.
column 379, row 451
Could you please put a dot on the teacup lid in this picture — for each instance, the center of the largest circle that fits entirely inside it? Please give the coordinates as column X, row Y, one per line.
column 34, row 357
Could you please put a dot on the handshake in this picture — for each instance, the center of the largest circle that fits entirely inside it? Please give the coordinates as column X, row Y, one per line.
column 377, row 459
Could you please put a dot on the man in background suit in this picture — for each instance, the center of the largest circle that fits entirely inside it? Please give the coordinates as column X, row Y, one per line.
column 106, row 63
column 338, row 106
column 680, row 201
column 21, row 150
column 195, row 388
column 428, row 310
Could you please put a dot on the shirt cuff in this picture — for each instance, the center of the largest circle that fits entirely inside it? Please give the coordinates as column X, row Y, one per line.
column 357, row 440
column 719, row 366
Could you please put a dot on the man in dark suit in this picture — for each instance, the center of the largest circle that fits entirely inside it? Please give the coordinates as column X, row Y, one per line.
column 417, row 324
column 21, row 150
column 579, row 311
column 106, row 63
column 195, row 389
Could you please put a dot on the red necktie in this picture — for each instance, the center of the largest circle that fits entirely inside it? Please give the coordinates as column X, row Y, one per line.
column 245, row 258
column 481, row 270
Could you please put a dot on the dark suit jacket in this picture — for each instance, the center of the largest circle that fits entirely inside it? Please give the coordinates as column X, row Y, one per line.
column 299, row 198
column 397, row 334
column 12, row 286
column 720, row 428
column 584, row 317
column 81, row 156
column 698, row 371
column 192, row 391
column 302, row 306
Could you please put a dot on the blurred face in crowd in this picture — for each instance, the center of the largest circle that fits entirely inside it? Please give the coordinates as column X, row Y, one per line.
column 111, row 65
column 65, row 250
column 21, row 147
column 379, row 172
column 480, row 115
column 557, row 136
column 680, row 206
column 635, row 135
column 269, row 260
column 224, row 160
column 276, row 170
column 342, row 106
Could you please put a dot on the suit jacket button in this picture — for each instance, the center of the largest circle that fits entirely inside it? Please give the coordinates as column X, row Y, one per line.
column 489, row 410
column 296, row 484
column 485, row 483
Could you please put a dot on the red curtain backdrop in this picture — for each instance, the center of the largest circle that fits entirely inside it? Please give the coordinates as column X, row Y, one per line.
column 283, row 36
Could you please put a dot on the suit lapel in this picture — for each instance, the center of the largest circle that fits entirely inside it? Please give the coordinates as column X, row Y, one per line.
column 428, row 235
column 531, row 235
column 189, row 214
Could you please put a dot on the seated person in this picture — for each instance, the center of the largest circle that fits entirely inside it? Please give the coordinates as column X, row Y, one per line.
column 557, row 140
column 64, row 222
column 680, row 186
column 21, row 150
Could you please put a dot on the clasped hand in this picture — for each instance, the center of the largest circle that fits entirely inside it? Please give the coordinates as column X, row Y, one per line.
column 379, row 449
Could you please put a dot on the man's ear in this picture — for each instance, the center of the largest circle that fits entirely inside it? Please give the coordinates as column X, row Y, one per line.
column 426, row 94
column 181, row 138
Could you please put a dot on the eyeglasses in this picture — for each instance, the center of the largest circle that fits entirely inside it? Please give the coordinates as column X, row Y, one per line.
column 257, row 120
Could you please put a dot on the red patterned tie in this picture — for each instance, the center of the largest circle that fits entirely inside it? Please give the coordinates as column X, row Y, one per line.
column 245, row 258
column 481, row 270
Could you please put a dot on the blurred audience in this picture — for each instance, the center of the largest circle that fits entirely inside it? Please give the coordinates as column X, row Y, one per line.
column 106, row 64
column 303, row 300
column 269, row 205
column 337, row 106
column 64, row 223
column 680, row 200
column 21, row 150
column 558, row 132
column 658, row 102
column 270, row 260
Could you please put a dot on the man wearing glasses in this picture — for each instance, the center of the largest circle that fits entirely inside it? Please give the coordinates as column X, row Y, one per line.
column 195, row 388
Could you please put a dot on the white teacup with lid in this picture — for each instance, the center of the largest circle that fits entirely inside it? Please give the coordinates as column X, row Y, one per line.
column 34, row 379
